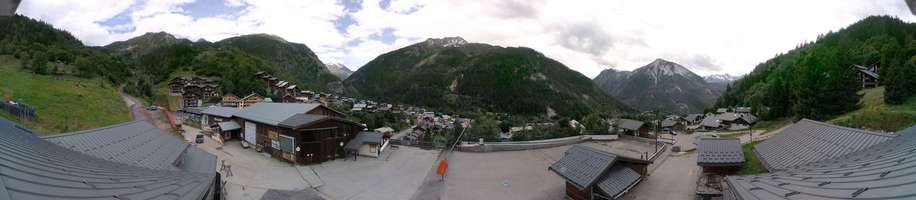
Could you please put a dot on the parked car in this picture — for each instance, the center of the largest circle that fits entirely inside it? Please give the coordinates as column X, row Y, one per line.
column 199, row 139
column 152, row 108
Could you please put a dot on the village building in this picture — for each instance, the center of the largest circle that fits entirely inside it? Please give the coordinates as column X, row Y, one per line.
column 230, row 100
column 633, row 127
column 366, row 143
column 693, row 118
column 717, row 157
column 591, row 173
column 672, row 125
column 869, row 75
column 815, row 160
column 134, row 160
column 194, row 91
column 217, row 114
column 296, row 132
column 711, row 122
column 251, row 99
column 191, row 99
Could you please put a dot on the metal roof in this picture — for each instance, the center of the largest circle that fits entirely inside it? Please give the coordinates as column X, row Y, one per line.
column 693, row 117
column 365, row 137
column 34, row 168
column 136, row 143
column 881, row 171
column 225, row 112
column 711, row 121
column 299, row 120
column 630, row 124
column 618, row 180
column 274, row 113
column 810, row 141
column 194, row 110
column 228, row 126
column 668, row 123
column 583, row 166
column 749, row 118
column 719, row 152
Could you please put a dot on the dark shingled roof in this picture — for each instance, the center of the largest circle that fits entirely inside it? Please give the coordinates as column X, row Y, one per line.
column 300, row 120
column 630, row 124
column 810, row 141
column 583, row 166
column 881, row 171
column 365, row 137
column 711, row 121
column 719, row 152
column 34, row 168
column 668, row 123
column 618, row 180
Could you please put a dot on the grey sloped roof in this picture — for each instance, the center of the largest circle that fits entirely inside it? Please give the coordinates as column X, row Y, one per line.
column 630, row 124
column 220, row 111
column 711, row 121
column 881, row 171
column 719, row 152
column 134, row 143
column 866, row 71
column 810, row 141
column 228, row 126
column 693, row 117
column 365, row 137
column 299, row 120
column 34, row 168
column 668, row 123
column 195, row 110
column 749, row 118
column 729, row 116
column 618, row 180
column 583, row 166
column 274, row 113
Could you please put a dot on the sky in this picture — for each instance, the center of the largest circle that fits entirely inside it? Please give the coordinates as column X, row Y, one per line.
column 706, row 36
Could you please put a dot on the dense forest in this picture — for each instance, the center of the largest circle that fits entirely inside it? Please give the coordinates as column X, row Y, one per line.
column 816, row 80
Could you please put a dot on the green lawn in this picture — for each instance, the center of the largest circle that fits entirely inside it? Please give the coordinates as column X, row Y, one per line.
column 62, row 103
column 875, row 114
column 753, row 165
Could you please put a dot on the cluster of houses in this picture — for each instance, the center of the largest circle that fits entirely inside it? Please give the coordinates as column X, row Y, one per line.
column 299, row 133
column 288, row 92
column 737, row 118
column 194, row 91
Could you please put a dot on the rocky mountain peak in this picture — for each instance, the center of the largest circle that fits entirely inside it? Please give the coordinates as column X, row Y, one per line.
column 446, row 42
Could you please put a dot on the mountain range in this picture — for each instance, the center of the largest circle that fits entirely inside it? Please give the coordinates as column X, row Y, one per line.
column 452, row 74
column 720, row 82
column 661, row 85
column 339, row 70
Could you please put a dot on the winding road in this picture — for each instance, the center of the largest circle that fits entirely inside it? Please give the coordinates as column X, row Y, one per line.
column 139, row 112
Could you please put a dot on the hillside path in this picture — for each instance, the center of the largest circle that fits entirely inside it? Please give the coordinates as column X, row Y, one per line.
column 139, row 112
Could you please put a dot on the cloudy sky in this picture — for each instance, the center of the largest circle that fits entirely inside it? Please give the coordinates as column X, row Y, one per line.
column 707, row 36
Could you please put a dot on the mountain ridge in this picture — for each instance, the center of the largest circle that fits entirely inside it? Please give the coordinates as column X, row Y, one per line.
column 660, row 85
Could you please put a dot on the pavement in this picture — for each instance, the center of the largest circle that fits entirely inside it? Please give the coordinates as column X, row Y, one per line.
column 673, row 179
column 504, row 175
column 396, row 175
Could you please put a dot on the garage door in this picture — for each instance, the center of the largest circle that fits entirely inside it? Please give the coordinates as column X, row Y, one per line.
column 251, row 131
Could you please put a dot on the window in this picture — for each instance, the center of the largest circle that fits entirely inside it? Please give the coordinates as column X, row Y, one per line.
column 287, row 143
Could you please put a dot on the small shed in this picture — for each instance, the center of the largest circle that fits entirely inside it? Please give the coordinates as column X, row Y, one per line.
column 366, row 143
column 594, row 174
column 719, row 155
column 633, row 127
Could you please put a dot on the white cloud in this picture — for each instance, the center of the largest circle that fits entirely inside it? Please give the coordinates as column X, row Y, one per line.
column 708, row 36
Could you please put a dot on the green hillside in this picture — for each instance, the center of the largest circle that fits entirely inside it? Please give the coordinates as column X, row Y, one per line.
column 816, row 80
column 877, row 115
column 62, row 103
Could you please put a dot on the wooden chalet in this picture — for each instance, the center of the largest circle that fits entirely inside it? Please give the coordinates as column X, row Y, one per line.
column 868, row 75
column 299, row 133
column 591, row 173
column 230, row 100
